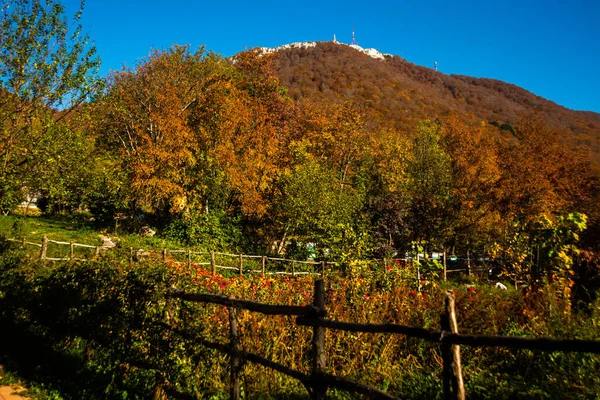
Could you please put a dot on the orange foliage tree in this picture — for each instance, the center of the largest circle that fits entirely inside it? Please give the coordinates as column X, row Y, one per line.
column 193, row 129
column 475, row 174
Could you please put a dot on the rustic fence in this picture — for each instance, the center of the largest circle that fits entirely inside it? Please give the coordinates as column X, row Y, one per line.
column 242, row 263
column 216, row 261
column 318, row 381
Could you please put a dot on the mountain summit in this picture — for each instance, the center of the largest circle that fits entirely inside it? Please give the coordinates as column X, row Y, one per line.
column 374, row 53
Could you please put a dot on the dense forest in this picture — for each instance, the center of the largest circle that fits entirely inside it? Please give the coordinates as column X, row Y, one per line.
column 399, row 92
column 267, row 153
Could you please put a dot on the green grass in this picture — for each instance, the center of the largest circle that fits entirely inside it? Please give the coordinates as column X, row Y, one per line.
column 77, row 228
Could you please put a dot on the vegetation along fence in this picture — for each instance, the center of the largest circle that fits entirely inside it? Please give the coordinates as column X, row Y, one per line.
column 318, row 381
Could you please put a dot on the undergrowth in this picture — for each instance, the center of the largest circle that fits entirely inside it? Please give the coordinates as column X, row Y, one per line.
column 97, row 330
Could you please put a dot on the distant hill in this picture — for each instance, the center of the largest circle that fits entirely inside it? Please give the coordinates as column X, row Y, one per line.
column 401, row 93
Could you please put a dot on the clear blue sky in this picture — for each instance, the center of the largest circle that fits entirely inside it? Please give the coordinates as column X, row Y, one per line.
column 551, row 48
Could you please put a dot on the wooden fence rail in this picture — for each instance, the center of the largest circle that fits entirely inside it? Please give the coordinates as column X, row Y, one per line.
column 314, row 315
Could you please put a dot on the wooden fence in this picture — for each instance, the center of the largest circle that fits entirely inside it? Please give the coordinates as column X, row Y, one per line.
column 241, row 263
column 318, row 381
column 215, row 260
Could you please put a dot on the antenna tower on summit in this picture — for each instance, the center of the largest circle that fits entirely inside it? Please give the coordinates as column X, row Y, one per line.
column 353, row 39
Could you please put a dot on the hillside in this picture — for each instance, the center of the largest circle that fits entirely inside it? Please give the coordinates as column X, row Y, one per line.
column 402, row 93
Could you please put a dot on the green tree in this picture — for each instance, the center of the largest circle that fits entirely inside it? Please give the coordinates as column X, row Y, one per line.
column 47, row 69
column 314, row 208
column 429, row 186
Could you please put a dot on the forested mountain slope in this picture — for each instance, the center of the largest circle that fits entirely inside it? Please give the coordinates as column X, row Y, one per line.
column 402, row 93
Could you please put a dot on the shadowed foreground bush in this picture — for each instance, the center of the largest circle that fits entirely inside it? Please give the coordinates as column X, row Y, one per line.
column 89, row 330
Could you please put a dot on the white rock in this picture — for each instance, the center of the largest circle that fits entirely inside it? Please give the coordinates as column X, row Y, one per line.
column 374, row 53
column 107, row 243
column 146, row 231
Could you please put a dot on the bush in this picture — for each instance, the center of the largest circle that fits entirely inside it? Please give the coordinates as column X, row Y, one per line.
column 209, row 232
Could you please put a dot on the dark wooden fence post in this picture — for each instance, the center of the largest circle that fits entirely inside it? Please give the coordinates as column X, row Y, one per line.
column 44, row 248
column 318, row 343
column 164, row 255
column 453, row 384
column 213, row 263
column 446, row 357
column 234, row 338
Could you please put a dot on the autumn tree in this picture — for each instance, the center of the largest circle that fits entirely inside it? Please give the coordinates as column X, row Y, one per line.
column 197, row 133
column 145, row 116
column 541, row 173
column 253, row 147
column 46, row 64
column 544, row 186
column 337, row 134
column 475, row 166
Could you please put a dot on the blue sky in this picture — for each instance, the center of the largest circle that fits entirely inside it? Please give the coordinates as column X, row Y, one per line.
column 551, row 48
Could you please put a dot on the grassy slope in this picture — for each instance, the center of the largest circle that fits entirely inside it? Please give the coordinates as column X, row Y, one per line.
column 77, row 228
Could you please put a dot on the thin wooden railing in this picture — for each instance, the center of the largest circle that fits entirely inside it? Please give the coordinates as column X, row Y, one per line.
column 319, row 268
column 260, row 264
column 319, row 381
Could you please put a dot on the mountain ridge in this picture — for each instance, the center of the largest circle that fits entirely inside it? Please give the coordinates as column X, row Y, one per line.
column 402, row 93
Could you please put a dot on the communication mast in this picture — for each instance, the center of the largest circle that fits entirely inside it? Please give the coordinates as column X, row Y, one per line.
column 353, row 39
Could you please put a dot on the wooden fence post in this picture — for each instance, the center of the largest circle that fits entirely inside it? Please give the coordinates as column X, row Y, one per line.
column 468, row 263
column 44, row 248
column 453, row 384
column 323, row 269
column 234, row 338
column 189, row 259
column 264, row 264
column 213, row 264
column 445, row 266
column 241, row 264
column 164, row 255
column 70, row 250
column 318, row 343
column 418, row 274
column 97, row 254
column 293, row 268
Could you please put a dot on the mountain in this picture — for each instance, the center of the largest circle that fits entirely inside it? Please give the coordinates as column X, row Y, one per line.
column 395, row 91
